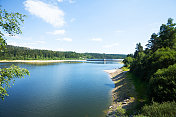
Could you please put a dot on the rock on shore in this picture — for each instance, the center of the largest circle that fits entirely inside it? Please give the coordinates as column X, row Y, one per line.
column 123, row 95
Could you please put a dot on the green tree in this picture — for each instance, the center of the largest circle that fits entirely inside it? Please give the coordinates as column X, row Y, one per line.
column 128, row 61
column 139, row 48
column 10, row 24
column 165, row 38
column 163, row 84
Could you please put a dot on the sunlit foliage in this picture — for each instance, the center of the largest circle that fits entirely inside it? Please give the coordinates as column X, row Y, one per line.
column 10, row 25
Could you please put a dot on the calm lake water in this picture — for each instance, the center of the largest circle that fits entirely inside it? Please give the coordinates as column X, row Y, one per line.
column 74, row 89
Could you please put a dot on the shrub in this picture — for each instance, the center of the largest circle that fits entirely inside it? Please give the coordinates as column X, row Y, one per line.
column 120, row 111
column 128, row 61
column 163, row 84
column 165, row 109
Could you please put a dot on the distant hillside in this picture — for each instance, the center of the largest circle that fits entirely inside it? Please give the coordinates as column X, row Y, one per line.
column 24, row 53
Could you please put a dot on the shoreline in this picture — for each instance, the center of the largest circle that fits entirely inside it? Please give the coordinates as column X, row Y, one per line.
column 123, row 94
column 37, row 61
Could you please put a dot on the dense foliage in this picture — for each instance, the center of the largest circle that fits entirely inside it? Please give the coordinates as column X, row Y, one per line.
column 9, row 24
column 166, row 80
column 165, row 109
column 156, row 67
column 155, row 64
column 7, row 75
column 128, row 60
column 23, row 53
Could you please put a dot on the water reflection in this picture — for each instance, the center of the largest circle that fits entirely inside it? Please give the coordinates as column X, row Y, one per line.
column 69, row 89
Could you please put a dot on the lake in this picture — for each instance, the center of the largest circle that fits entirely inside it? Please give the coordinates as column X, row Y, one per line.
column 69, row 89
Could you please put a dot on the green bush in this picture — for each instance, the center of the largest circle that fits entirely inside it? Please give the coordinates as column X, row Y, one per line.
column 148, row 65
column 128, row 61
column 163, row 58
column 120, row 111
column 163, row 84
column 165, row 109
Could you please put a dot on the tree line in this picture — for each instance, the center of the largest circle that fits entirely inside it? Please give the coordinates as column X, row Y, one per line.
column 23, row 53
column 156, row 66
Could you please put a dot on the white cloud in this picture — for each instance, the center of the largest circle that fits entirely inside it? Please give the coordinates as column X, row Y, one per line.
column 65, row 39
column 57, row 32
column 71, row 1
column 96, row 39
column 26, row 44
column 111, row 45
column 60, row 49
column 49, row 13
column 60, row 0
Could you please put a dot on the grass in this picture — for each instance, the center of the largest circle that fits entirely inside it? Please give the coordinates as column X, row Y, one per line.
column 140, row 86
column 125, row 68
column 120, row 111
column 141, row 89
column 144, row 108
column 165, row 109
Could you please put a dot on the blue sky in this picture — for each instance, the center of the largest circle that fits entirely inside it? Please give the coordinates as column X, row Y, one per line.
column 103, row 26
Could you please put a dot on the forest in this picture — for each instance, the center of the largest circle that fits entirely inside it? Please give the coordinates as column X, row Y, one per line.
column 156, row 67
column 23, row 53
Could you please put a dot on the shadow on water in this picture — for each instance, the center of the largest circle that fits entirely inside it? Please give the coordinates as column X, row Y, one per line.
column 110, row 85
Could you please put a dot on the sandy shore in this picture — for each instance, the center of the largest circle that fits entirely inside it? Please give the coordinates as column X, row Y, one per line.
column 38, row 61
column 123, row 95
column 114, row 72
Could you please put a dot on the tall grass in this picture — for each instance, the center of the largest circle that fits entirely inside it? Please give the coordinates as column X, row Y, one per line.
column 165, row 109
column 141, row 88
